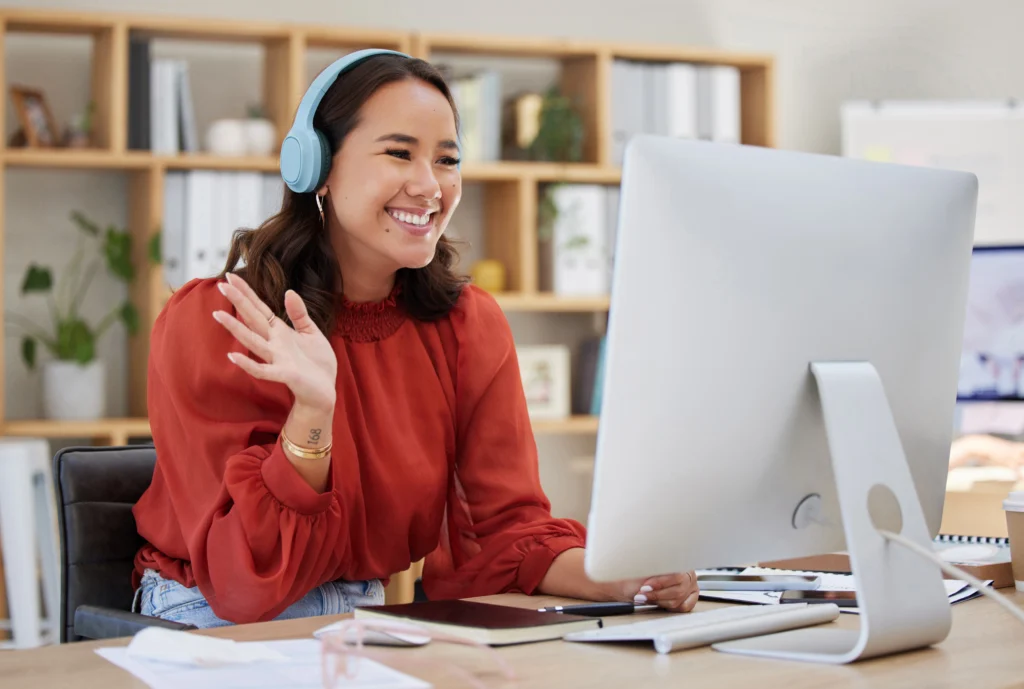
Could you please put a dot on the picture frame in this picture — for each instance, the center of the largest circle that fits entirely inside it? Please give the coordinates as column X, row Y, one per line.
column 37, row 122
column 546, row 374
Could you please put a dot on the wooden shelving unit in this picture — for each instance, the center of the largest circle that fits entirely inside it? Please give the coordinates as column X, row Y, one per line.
column 540, row 301
column 120, row 431
column 508, row 171
column 101, row 432
column 511, row 188
column 574, row 424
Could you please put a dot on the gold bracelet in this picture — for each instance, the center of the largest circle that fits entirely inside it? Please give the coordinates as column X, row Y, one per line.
column 305, row 453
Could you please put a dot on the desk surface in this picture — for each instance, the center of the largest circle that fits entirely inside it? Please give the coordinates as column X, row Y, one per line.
column 983, row 650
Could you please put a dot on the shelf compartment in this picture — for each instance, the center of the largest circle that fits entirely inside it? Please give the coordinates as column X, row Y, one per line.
column 532, row 65
column 757, row 82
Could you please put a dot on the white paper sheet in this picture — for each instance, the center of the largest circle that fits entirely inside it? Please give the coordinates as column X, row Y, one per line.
column 182, row 648
column 301, row 671
column 956, row 589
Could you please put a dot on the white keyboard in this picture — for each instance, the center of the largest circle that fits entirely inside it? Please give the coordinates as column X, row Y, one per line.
column 688, row 630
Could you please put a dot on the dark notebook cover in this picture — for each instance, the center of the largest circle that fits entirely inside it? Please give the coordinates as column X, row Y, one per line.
column 464, row 613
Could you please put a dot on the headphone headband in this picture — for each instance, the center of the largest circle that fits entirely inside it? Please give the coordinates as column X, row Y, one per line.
column 317, row 89
column 305, row 155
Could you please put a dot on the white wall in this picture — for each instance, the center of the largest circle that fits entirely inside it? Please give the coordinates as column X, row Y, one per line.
column 826, row 52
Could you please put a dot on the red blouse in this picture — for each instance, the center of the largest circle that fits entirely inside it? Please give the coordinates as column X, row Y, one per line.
column 433, row 457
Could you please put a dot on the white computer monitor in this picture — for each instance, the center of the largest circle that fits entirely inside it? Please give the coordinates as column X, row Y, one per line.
column 992, row 362
column 785, row 330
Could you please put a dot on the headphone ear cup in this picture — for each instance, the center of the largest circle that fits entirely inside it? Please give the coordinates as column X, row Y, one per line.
column 325, row 160
column 302, row 160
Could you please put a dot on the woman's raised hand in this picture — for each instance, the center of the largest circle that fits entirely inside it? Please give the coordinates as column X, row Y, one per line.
column 299, row 356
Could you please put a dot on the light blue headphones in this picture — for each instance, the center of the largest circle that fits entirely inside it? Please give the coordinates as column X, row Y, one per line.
column 305, row 154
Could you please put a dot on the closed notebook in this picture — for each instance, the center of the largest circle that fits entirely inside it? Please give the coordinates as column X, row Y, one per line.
column 494, row 625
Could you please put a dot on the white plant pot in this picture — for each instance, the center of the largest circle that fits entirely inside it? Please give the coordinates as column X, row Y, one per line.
column 260, row 136
column 72, row 391
column 227, row 138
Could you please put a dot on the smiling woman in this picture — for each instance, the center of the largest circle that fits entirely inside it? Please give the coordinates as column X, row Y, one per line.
column 391, row 126
column 371, row 412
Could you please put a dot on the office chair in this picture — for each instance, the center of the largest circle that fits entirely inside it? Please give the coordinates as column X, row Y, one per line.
column 96, row 489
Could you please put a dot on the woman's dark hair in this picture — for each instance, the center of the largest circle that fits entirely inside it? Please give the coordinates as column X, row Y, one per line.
column 292, row 250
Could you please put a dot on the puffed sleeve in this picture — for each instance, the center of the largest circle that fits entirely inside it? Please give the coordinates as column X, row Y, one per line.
column 499, row 534
column 257, row 536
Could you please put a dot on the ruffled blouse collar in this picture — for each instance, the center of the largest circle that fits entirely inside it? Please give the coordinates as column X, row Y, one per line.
column 370, row 321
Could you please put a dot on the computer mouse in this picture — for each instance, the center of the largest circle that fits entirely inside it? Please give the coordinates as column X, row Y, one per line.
column 377, row 637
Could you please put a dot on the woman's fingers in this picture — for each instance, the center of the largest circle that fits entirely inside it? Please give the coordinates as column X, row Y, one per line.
column 245, row 336
column 297, row 313
column 667, row 581
column 242, row 286
column 688, row 603
column 670, row 594
column 681, row 598
column 676, row 592
column 246, row 309
column 254, row 369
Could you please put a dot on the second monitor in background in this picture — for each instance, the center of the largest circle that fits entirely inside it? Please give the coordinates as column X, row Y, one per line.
column 992, row 363
column 781, row 374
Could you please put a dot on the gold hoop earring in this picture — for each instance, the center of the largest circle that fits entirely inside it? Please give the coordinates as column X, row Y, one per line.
column 320, row 206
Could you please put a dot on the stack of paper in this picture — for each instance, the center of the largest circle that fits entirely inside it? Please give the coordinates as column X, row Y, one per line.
column 201, row 662
column 956, row 589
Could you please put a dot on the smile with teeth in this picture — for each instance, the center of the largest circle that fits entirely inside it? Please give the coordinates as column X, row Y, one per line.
column 410, row 218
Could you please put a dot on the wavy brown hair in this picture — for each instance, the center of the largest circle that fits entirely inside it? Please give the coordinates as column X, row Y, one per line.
column 292, row 250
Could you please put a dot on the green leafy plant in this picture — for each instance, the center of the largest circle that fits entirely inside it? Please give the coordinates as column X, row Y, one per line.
column 547, row 212
column 560, row 132
column 71, row 337
column 155, row 249
column 84, row 121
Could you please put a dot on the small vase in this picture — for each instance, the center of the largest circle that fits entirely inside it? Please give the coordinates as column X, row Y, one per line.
column 489, row 275
column 260, row 136
column 226, row 138
column 73, row 391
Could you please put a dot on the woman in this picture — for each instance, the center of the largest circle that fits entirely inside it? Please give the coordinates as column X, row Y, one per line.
column 344, row 405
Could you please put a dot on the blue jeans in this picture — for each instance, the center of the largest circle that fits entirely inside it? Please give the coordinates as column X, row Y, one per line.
column 167, row 599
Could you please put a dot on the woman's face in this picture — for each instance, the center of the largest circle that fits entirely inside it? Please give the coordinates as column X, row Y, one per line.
column 394, row 184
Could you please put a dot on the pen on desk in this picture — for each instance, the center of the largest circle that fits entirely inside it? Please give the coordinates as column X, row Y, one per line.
column 598, row 609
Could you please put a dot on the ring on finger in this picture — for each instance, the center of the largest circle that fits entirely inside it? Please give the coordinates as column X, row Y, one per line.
column 270, row 321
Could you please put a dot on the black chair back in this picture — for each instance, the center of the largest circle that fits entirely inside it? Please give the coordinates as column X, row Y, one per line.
column 96, row 490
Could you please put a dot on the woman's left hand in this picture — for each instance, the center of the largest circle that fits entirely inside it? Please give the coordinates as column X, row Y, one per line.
column 674, row 592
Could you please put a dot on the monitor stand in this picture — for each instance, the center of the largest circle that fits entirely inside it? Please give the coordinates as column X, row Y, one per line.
column 902, row 598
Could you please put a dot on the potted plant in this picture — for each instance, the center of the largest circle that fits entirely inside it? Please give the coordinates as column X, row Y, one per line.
column 73, row 380
column 560, row 130
column 260, row 132
column 79, row 130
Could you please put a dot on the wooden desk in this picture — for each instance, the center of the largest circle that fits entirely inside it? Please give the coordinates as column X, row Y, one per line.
column 983, row 650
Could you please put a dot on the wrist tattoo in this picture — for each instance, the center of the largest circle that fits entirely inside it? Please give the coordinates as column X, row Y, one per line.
column 314, row 435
